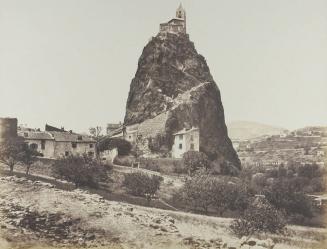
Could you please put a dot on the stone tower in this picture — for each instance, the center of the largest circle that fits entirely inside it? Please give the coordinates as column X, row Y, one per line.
column 180, row 13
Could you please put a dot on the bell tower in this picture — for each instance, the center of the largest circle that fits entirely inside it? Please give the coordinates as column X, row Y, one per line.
column 180, row 13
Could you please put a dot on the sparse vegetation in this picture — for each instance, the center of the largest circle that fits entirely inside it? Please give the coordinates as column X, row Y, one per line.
column 28, row 156
column 259, row 217
column 141, row 184
column 11, row 153
column 194, row 160
column 81, row 170
column 205, row 192
column 284, row 196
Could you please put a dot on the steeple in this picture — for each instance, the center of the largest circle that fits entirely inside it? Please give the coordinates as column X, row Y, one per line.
column 180, row 12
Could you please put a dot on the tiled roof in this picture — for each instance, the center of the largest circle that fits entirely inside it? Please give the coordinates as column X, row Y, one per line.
column 184, row 131
column 70, row 137
column 56, row 135
column 37, row 135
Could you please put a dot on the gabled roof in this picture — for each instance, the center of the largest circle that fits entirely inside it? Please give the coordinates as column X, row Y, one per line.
column 35, row 135
column 185, row 131
column 70, row 137
column 52, row 128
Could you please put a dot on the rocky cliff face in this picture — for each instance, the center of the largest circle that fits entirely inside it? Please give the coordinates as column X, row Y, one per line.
column 173, row 78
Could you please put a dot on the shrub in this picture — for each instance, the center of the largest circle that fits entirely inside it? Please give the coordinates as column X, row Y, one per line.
column 28, row 156
column 260, row 216
column 309, row 170
column 82, row 171
column 232, row 196
column 123, row 146
column 179, row 168
column 124, row 160
column 283, row 195
column 158, row 143
column 204, row 191
column 194, row 160
column 198, row 192
column 11, row 152
column 141, row 184
column 150, row 164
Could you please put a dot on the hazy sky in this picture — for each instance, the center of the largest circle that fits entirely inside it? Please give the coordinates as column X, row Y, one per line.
column 70, row 62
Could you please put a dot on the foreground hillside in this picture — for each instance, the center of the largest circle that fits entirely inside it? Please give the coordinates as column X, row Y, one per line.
column 37, row 215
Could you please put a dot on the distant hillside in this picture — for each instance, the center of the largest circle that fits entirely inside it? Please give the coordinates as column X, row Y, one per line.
column 247, row 130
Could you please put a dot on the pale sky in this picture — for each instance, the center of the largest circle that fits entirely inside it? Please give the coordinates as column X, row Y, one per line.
column 70, row 62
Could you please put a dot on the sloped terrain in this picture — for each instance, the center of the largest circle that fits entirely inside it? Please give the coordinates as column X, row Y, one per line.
column 34, row 214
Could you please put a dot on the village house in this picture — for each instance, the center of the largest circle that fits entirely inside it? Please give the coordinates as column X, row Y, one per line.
column 185, row 140
column 55, row 143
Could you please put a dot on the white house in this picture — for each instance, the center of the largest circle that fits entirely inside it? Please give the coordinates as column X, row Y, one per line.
column 185, row 140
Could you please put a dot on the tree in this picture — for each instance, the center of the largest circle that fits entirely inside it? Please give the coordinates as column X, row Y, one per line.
column 309, row 170
column 81, row 170
column 96, row 132
column 194, row 160
column 231, row 196
column 11, row 152
column 259, row 217
column 285, row 196
column 199, row 192
column 204, row 191
column 28, row 156
column 141, row 184
column 124, row 147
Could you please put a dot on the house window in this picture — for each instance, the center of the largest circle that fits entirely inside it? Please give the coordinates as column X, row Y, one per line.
column 25, row 134
column 42, row 145
column 79, row 138
column 191, row 137
column 74, row 145
column 192, row 146
column 180, row 146
column 130, row 137
column 66, row 153
column 91, row 153
column 33, row 146
column 180, row 137
column 91, row 145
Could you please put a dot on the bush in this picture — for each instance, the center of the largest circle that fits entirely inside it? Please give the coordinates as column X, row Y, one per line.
column 198, row 192
column 259, row 217
column 204, row 192
column 283, row 195
column 150, row 164
column 232, row 196
column 123, row 146
column 82, row 171
column 11, row 152
column 194, row 160
column 141, row 184
column 124, row 160
column 309, row 170
column 179, row 168
column 158, row 143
